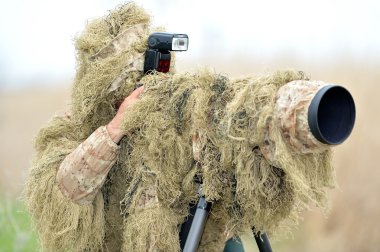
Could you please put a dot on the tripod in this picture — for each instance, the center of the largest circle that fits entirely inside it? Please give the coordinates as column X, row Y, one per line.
column 192, row 229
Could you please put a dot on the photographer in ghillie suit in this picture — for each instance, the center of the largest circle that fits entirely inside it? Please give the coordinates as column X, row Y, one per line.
column 77, row 180
column 75, row 185
column 117, row 172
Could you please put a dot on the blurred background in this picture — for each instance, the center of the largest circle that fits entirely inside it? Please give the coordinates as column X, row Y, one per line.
column 334, row 41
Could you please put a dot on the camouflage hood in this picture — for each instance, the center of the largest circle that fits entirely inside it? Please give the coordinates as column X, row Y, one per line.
column 110, row 56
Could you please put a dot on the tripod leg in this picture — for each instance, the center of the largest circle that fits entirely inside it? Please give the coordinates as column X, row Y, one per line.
column 197, row 226
column 185, row 228
column 263, row 242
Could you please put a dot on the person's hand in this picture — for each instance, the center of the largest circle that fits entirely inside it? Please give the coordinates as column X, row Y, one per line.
column 113, row 127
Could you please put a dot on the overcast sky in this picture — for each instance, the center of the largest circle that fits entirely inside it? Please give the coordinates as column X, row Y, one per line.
column 36, row 35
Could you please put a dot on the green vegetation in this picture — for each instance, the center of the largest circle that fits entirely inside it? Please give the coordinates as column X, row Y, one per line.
column 16, row 233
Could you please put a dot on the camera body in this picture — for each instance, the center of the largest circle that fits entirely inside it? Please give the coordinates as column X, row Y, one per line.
column 157, row 56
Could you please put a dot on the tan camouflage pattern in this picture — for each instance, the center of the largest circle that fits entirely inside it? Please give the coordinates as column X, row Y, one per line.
column 136, row 63
column 148, row 199
column 197, row 145
column 291, row 114
column 83, row 172
column 122, row 42
column 119, row 44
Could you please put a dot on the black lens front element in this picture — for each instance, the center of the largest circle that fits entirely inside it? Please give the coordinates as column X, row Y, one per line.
column 331, row 115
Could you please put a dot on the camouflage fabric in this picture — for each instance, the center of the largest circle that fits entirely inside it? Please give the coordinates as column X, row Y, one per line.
column 83, row 172
column 291, row 113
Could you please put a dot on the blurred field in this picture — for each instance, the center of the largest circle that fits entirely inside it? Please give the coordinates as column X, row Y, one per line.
column 351, row 225
column 22, row 113
column 15, row 233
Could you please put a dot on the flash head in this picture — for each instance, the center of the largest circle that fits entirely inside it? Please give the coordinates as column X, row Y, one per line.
column 157, row 56
column 168, row 41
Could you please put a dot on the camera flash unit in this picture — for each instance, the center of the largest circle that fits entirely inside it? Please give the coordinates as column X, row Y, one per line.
column 157, row 56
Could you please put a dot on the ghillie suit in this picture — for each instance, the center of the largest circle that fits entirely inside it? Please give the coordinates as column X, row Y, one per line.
column 185, row 124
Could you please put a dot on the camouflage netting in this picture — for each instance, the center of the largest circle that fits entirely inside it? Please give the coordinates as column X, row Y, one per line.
column 185, row 124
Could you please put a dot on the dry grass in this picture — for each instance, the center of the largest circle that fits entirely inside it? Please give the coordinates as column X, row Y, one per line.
column 355, row 209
